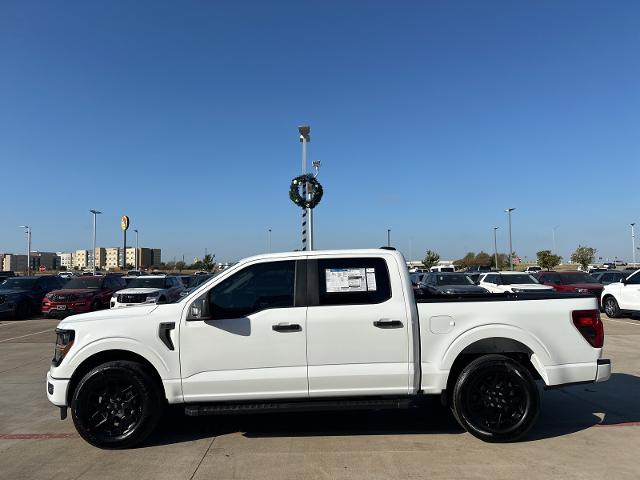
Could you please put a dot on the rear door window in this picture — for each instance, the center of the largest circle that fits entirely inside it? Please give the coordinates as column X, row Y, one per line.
column 353, row 281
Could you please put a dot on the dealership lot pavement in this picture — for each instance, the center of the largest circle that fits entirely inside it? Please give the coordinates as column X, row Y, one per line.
column 587, row 431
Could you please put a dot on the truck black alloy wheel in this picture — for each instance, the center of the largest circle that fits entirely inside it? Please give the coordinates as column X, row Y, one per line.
column 496, row 399
column 611, row 307
column 116, row 405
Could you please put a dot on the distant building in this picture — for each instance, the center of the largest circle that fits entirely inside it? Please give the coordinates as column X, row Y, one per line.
column 48, row 260
column 101, row 258
column 15, row 263
column 80, row 259
column 66, row 259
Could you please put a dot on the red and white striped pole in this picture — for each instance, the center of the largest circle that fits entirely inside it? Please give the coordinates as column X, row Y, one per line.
column 305, row 138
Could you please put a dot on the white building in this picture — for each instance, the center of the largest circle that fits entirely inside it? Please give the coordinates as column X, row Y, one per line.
column 66, row 259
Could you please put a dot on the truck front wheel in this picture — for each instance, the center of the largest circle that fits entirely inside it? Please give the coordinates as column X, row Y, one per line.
column 496, row 399
column 116, row 405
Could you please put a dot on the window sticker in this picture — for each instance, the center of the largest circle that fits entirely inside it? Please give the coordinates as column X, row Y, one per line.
column 350, row 280
column 371, row 279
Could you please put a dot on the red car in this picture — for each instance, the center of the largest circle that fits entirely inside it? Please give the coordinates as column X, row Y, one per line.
column 81, row 295
column 573, row 282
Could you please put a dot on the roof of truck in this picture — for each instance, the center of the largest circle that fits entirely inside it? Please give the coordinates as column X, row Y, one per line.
column 304, row 253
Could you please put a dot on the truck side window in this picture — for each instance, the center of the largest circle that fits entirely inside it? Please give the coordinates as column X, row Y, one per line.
column 353, row 281
column 252, row 289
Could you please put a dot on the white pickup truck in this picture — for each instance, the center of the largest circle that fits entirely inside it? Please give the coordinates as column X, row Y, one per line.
column 322, row 330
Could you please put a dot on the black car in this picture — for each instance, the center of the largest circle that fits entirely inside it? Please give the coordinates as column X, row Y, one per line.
column 611, row 276
column 449, row 283
column 22, row 296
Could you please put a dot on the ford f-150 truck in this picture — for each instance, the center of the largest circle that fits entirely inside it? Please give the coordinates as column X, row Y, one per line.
column 322, row 330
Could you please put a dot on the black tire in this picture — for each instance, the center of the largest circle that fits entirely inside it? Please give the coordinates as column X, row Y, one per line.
column 116, row 405
column 95, row 305
column 611, row 307
column 496, row 399
column 23, row 309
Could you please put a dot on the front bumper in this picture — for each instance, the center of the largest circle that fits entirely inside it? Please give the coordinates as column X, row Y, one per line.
column 603, row 373
column 57, row 390
column 50, row 309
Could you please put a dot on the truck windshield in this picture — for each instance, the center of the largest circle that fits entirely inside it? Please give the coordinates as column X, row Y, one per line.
column 571, row 278
column 84, row 282
column 143, row 282
column 517, row 279
column 454, row 280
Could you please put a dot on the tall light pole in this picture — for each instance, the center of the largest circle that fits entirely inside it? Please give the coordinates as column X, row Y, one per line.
column 136, row 252
column 95, row 212
column 508, row 212
column 27, row 231
column 269, row 241
column 388, row 237
column 305, row 138
column 495, row 245
column 633, row 241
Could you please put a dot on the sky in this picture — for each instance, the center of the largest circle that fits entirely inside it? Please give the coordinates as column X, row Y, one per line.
column 429, row 119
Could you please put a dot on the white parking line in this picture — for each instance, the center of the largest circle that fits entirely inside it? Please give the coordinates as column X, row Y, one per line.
column 27, row 335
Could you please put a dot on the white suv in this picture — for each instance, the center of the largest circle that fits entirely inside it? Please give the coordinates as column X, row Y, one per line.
column 501, row 282
column 622, row 297
column 148, row 289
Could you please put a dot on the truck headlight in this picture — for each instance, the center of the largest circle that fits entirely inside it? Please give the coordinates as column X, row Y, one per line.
column 153, row 296
column 516, row 290
column 64, row 342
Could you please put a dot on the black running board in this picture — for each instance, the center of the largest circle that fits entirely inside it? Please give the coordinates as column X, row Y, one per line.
column 194, row 410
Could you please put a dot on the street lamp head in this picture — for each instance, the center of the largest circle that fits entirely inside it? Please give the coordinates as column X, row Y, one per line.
column 496, row 228
column 135, row 230
column 95, row 212
column 23, row 226
column 509, row 210
column 305, row 131
column 633, row 224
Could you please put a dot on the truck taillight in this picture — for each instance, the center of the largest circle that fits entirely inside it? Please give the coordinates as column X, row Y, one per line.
column 590, row 326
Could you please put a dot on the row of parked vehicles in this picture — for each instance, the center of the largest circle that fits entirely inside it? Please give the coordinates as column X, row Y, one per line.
column 59, row 296
column 618, row 292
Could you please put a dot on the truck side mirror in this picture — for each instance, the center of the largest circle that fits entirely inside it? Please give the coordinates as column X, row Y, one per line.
column 199, row 309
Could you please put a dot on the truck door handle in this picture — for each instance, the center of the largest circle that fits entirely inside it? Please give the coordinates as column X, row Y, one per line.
column 387, row 323
column 286, row 327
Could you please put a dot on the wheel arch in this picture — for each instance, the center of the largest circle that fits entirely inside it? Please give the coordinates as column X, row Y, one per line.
column 107, row 356
column 512, row 342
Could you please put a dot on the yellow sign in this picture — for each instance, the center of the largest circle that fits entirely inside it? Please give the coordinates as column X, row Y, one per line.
column 124, row 223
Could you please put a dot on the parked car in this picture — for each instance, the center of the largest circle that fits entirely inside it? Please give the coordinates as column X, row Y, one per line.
column 417, row 279
column 512, row 282
column 443, row 268
column 322, row 330
column 571, row 281
column 622, row 298
column 135, row 273
column 478, row 269
column 82, row 294
column 610, row 276
column 447, row 283
column 532, row 269
column 148, row 289
column 22, row 296
column 595, row 270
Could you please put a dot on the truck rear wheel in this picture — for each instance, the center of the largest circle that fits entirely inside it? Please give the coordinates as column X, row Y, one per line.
column 496, row 399
column 116, row 405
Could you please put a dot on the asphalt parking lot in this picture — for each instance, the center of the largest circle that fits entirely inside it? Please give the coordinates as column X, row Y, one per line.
column 587, row 431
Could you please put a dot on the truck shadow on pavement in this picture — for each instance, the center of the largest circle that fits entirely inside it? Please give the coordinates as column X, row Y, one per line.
column 564, row 411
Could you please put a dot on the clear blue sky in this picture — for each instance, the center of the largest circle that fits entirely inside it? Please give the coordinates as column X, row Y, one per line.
column 429, row 118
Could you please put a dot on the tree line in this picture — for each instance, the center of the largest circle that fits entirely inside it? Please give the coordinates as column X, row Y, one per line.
column 545, row 258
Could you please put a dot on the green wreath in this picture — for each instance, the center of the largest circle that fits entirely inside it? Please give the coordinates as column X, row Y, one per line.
column 315, row 191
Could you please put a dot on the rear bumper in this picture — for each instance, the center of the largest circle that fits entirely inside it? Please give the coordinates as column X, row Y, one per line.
column 57, row 390
column 603, row 373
